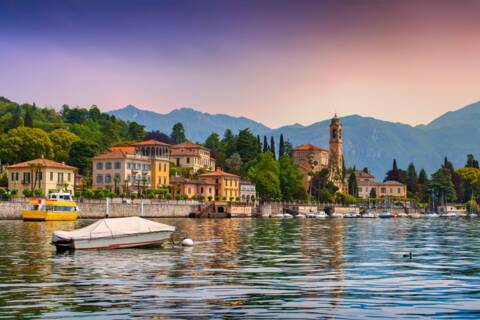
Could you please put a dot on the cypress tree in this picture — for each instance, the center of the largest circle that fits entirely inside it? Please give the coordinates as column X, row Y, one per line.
column 28, row 117
column 259, row 145
column 265, row 144
column 272, row 146
column 352, row 184
column 412, row 179
column 281, row 149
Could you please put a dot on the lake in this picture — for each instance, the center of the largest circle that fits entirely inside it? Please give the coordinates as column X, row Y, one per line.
column 245, row 268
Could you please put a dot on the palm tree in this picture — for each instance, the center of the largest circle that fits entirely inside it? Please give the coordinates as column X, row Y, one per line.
column 35, row 169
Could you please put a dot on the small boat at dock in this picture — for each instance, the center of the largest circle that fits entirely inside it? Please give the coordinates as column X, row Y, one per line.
column 57, row 206
column 113, row 233
column 386, row 215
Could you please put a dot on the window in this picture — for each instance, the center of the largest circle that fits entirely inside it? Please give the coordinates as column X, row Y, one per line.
column 117, row 177
column 129, row 165
column 26, row 177
column 60, row 178
column 39, row 176
column 51, row 176
column 108, row 178
column 165, row 167
column 165, row 180
column 178, row 162
column 118, row 165
column 99, row 179
column 391, row 190
column 69, row 176
column 99, row 165
column 384, row 190
column 108, row 165
column 201, row 190
column 188, row 160
column 399, row 190
column 189, row 190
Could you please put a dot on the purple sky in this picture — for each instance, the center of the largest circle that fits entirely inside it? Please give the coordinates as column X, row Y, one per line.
column 278, row 62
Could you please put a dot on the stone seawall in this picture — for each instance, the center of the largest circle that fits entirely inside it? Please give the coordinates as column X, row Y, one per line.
column 96, row 210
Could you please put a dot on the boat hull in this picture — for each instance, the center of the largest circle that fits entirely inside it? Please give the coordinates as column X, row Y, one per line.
column 109, row 243
column 40, row 215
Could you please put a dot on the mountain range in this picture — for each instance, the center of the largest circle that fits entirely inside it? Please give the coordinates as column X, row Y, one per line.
column 368, row 142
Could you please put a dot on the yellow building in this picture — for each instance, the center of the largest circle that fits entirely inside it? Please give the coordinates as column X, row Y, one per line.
column 193, row 156
column 44, row 174
column 159, row 153
column 143, row 165
column 227, row 185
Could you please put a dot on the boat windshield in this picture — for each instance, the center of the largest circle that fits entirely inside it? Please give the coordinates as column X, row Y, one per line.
column 34, row 207
column 60, row 208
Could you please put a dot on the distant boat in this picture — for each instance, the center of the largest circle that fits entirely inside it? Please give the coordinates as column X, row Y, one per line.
column 386, row 215
column 336, row 215
column 277, row 216
column 351, row 214
column 113, row 233
column 300, row 216
column 431, row 214
column 369, row 214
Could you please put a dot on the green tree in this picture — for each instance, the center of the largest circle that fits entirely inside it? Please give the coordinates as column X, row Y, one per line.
column 246, row 145
column 471, row 162
column 412, row 180
column 373, row 193
column 229, row 142
column 178, row 133
column 265, row 174
column 352, row 185
column 442, row 185
column 321, row 184
column 136, row 131
column 265, row 144
column 24, row 143
column 396, row 174
column 422, row 185
column 291, row 180
column 28, row 117
column 234, row 163
column 81, row 154
column 281, row 147
column 272, row 147
column 62, row 141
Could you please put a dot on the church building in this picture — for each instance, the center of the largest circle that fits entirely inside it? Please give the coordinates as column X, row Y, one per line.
column 311, row 159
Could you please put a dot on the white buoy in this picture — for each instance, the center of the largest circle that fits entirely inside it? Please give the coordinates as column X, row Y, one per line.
column 187, row 242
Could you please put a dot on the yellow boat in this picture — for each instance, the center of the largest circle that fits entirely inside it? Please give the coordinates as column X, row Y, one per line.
column 56, row 207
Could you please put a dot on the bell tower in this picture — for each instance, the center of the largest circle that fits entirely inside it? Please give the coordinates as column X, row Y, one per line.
column 336, row 152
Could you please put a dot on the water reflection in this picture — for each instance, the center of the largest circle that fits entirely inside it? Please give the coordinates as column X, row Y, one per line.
column 244, row 268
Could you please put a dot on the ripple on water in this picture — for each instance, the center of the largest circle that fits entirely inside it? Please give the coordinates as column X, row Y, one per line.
column 242, row 268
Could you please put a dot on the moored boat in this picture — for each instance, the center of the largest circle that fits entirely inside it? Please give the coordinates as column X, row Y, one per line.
column 336, row 215
column 430, row 214
column 386, row 215
column 56, row 207
column 351, row 214
column 369, row 214
column 113, row 233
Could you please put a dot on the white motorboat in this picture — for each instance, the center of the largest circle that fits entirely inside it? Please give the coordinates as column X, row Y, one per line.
column 300, row 216
column 113, row 233
column 321, row 214
column 386, row 215
column 448, row 214
column 370, row 214
column 287, row 215
column 351, row 214
column 472, row 215
column 336, row 215
column 430, row 215
column 277, row 216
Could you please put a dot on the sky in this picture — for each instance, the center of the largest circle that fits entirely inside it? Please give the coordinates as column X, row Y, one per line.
column 278, row 62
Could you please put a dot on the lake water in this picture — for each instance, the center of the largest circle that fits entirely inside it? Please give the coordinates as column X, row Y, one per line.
column 245, row 268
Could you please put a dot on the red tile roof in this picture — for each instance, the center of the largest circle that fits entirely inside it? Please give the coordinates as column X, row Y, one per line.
column 181, row 180
column 151, row 142
column 127, row 149
column 188, row 144
column 117, row 154
column 308, row 147
column 43, row 162
column 218, row 173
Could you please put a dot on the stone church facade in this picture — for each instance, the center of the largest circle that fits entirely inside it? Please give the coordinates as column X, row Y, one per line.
column 311, row 159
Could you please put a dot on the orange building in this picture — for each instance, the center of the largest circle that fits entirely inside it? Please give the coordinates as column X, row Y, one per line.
column 192, row 188
column 227, row 185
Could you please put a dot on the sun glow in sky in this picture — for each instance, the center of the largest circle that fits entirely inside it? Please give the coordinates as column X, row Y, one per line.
column 277, row 62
